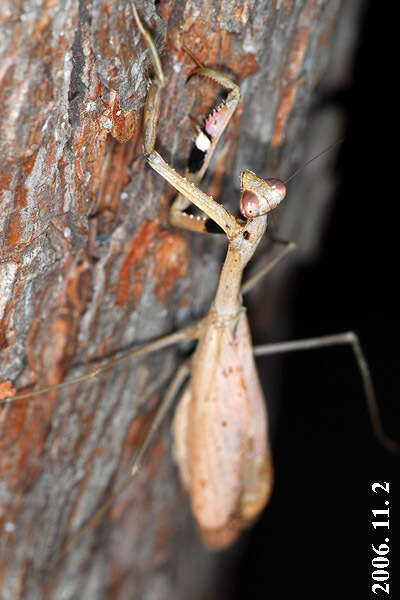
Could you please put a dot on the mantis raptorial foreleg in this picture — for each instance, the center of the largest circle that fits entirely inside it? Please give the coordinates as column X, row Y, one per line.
column 184, row 186
column 205, row 142
column 252, row 478
column 204, row 146
column 212, row 209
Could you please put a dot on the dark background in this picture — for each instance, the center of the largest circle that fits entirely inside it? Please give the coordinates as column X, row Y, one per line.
column 315, row 537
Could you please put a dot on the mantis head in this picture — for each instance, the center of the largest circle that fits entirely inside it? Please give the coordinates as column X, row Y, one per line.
column 259, row 196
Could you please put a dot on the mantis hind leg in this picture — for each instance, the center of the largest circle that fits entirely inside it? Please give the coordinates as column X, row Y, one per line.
column 166, row 404
column 348, row 338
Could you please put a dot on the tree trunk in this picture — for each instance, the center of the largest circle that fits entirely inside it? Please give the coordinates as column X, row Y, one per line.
column 90, row 265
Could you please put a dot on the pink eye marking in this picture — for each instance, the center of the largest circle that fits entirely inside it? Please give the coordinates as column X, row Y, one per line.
column 216, row 121
column 277, row 185
column 249, row 204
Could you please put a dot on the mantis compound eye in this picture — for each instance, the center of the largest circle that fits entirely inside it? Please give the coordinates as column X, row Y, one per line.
column 259, row 196
column 277, row 186
column 249, row 205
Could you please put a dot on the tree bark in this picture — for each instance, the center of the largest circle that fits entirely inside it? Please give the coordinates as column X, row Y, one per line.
column 89, row 264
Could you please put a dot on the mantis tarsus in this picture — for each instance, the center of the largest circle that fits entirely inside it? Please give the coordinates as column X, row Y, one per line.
column 235, row 520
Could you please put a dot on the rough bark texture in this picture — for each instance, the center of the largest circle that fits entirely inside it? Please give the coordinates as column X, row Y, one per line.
column 89, row 264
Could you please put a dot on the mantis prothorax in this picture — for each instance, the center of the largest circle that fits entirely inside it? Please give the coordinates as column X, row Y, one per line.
column 220, row 427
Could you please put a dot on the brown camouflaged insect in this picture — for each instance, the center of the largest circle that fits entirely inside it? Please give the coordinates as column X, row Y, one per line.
column 220, row 427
